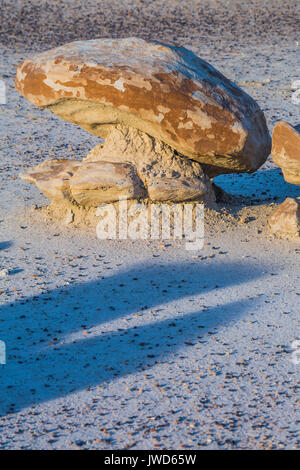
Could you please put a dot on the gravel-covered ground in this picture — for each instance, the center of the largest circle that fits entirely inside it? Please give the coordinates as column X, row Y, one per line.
column 40, row 24
column 114, row 345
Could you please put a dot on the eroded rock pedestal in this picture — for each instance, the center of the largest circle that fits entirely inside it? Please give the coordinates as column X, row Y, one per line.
column 129, row 164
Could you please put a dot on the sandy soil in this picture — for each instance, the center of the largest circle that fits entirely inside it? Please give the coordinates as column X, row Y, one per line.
column 139, row 344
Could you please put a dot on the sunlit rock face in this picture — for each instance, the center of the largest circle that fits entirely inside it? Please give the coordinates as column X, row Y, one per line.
column 286, row 150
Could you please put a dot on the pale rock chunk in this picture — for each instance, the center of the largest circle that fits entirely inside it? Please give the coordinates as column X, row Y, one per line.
column 4, row 273
column 98, row 182
column 53, row 178
column 285, row 220
column 176, row 189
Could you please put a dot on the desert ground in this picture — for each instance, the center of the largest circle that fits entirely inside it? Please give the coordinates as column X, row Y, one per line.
column 143, row 344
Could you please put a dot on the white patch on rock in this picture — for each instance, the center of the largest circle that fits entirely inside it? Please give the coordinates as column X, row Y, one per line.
column 60, row 87
column 119, row 84
column 160, row 117
column 186, row 125
column 237, row 128
column 163, row 109
column 200, row 118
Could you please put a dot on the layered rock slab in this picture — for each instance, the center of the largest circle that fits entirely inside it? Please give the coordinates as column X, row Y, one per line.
column 286, row 150
column 101, row 182
column 53, row 178
column 85, row 184
column 165, row 91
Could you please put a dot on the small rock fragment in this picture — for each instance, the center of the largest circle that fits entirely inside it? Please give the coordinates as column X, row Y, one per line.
column 4, row 272
column 69, row 217
column 53, row 178
column 285, row 220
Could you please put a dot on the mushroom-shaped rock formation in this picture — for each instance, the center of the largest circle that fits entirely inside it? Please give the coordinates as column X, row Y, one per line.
column 161, row 109
column 286, row 150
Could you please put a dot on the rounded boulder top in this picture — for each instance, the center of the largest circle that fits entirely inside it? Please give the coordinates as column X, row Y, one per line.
column 165, row 91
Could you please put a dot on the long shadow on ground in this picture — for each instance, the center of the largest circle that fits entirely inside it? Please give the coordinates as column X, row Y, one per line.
column 157, row 308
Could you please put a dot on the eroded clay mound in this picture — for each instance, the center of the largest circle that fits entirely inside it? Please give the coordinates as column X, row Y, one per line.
column 165, row 91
